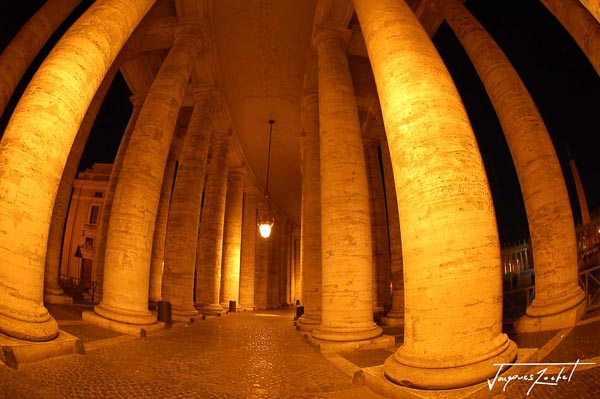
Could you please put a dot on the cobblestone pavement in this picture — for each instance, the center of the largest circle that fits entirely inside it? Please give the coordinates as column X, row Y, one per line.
column 243, row 355
column 257, row 355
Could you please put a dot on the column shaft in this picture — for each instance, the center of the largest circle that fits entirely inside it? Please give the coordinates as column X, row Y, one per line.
column 593, row 6
column 248, row 258
column 581, row 25
column 34, row 150
column 210, row 237
column 65, row 188
column 184, row 212
column 540, row 176
column 18, row 55
column 133, row 215
column 262, row 261
column 446, row 212
column 232, row 238
column 274, row 265
column 310, row 230
column 347, row 307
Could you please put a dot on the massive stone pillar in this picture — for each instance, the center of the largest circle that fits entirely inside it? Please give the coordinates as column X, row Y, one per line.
column 157, row 258
column 310, row 229
column 184, row 212
column 379, row 233
column 249, row 242
column 559, row 301
column 297, row 267
column 136, row 199
column 53, row 293
column 284, row 234
column 395, row 316
column 446, row 212
column 18, row 55
column 137, row 101
column 581, row 25
column 209, row 252
column 274, row 265
column 262, row 261
column 347, row 307
column 34, row 150
column 232, row 238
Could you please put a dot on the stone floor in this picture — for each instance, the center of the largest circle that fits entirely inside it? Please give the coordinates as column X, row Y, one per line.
column 250, row 355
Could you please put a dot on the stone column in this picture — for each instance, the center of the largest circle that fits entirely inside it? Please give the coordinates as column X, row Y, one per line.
column 232, row 238
column 249, row 242
column 34, row 150
column 157, row 258
column 379, row 233
column 262, row 261
column 184, row 212
column 396, row 315
column 137, row 100
column 581, row 25
column 593, row 6
column 209, row 252
column 310, row 229
column 53, row 293
column 559, row 301
column 20, row 52
column 446, row 211
column 284, row 233
column 347, row 307
column 137, row 195
column 274, row 265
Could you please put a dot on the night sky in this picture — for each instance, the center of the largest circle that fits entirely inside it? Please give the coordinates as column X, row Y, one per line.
column 557, row 74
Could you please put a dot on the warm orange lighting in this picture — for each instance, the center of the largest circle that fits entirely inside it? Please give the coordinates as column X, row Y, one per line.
column 265, row 228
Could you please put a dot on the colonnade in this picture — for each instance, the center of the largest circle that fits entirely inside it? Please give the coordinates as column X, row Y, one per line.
column 369, row 198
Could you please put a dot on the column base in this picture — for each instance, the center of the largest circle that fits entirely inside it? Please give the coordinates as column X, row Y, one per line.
column 14, row 352
column 566, row 318
column 307, row 324
column 374, row 378
column 139, row 330
column 325, row 333
column 41, row 327
column 393, row 320
column 329, row 347
column 58, row 299
column 213, row 309
column 406, row 373
column 53, row 290
column 125, row 316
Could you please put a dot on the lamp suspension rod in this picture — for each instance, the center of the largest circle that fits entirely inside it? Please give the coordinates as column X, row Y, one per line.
column 271, row 121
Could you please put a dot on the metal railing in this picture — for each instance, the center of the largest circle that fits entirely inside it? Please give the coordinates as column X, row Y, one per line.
column 78, row 289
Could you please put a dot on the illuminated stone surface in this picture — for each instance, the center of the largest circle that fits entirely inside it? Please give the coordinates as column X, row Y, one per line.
column 209, row 252
column 544, row 192
column 50, row 112
column 248, row 256
column 184, row 212
column 347, row 307
column 232, row 238
column 136, row 200
column 441, row 188
column 18, row 55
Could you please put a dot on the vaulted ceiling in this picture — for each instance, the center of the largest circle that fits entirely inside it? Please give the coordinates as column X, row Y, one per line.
column 258, row 53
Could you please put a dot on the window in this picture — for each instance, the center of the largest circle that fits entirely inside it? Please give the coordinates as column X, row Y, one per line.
column 94, row 213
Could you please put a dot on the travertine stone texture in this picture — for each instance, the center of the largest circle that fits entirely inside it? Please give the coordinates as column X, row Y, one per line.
column 347, row 307
column 540, row 176
column 274, row 265
column 209, row 252
column 137, row 101
column 263, row 249
column 453, row 324
column 583, row 26
column 34, row 150
column 583, row 206
column 297, row 291
column 310, row 230
column 136, row 199
column 232, row 238
column 396, row 315
column 17, row 56
column 283, row 238
column 248, row 256
column 593, row 6
column 184, row 212
column 379, row 234
column 157, row 259
column 65, row 188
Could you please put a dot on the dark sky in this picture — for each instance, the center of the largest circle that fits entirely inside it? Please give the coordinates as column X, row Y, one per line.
column 561, row 80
